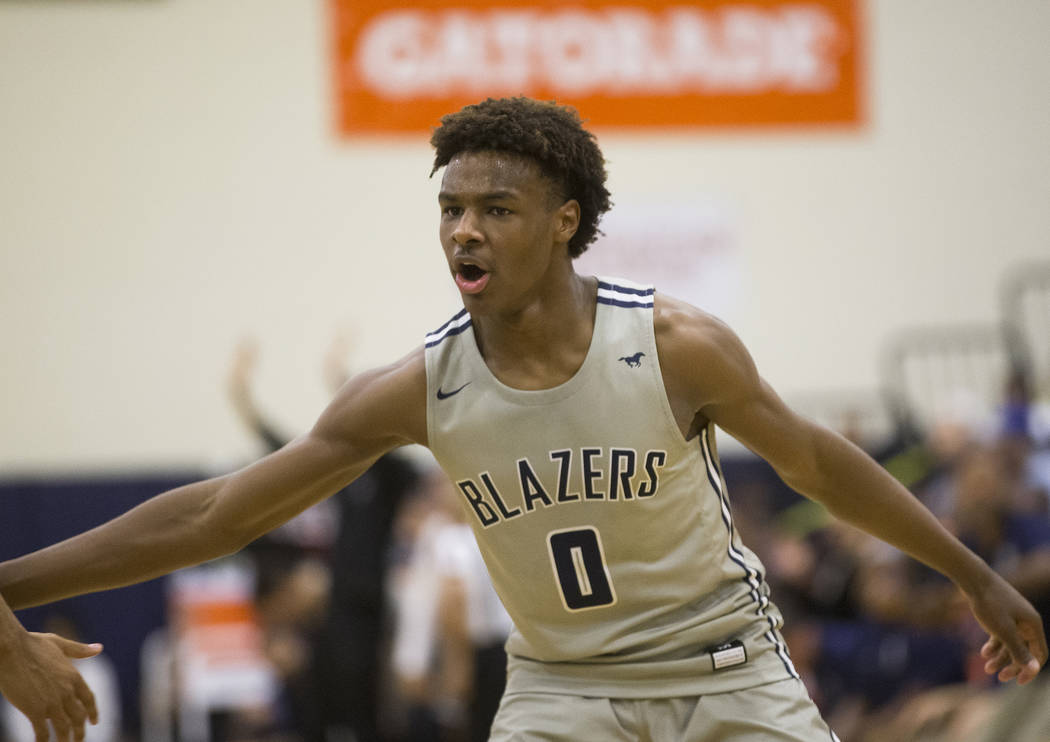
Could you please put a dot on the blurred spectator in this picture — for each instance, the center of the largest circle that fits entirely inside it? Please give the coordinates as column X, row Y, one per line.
column 994, row 517
column 1025, row 439
column 448, row 655
column 864, row 624
column 330, row 658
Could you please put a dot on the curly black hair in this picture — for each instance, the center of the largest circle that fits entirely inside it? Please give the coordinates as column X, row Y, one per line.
column 549, row 134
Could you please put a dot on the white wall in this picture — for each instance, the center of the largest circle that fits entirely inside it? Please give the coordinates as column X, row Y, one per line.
column 170, row 182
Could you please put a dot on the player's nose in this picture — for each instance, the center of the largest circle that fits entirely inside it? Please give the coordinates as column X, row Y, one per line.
column 467, row 230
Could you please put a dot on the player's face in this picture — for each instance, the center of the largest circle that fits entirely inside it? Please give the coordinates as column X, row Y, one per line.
column 504, row 231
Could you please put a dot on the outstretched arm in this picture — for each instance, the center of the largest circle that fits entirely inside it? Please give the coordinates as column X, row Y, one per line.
column 373, row 413
column 708, row 372
column 37, row 677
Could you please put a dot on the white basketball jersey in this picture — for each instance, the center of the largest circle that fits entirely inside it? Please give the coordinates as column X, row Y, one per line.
column 607, row 535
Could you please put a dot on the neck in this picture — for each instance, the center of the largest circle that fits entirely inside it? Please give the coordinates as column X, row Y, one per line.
column 544, row 342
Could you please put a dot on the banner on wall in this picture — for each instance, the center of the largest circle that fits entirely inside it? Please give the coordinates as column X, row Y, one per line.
column 686, row 245
column 399, row 66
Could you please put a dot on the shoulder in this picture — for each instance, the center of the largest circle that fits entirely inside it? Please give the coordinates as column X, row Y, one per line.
column 702, row 342
column 679, row 321
column 384, row 407
column 701, row 358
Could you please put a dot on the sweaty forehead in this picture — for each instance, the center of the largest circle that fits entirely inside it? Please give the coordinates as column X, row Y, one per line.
column 489, row 172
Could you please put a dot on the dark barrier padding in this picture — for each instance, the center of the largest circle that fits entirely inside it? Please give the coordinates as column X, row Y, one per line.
column 38, row 512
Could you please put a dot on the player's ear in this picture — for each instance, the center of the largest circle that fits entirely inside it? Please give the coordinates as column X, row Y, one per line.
column 567, row 220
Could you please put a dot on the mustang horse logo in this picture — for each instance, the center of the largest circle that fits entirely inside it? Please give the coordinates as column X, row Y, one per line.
column 633, row 361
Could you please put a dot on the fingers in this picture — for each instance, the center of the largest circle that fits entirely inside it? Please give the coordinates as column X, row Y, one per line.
column 995, row 655
column 60, row 722
column 87, row 698
column 1033, row 641
column 1008, row 673
column 1010, row 663
column 1028, row 672
column 77, row 716
column 991, row 647
column 1035, row 635
column 1017, row 647
column 68, row 722
column 73, row 649
column 1022, row 672
column 41, row 732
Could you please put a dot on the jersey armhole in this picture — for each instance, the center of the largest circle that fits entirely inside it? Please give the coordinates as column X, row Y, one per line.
column 663, row 402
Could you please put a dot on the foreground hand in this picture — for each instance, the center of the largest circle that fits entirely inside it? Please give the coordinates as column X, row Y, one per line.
column 1016, row 647
column 42, row 683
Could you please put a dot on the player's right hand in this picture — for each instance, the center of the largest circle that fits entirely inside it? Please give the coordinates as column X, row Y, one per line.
column 42, row 683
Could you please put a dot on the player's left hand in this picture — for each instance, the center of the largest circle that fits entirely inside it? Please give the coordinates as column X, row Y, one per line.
column 1016, row 648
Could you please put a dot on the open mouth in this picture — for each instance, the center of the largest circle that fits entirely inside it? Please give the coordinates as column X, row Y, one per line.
column 471, row 272
column 471, row 278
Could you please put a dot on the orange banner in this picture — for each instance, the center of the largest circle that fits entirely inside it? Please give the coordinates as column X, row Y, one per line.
column 723, row 63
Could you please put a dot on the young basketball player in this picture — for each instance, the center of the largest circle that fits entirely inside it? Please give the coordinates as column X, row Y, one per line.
column 576, row 416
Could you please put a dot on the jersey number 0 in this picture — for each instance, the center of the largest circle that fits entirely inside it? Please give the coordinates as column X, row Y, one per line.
column 578, row 560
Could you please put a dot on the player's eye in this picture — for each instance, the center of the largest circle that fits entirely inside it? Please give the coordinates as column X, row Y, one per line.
column 451, row 210
column 499, row 211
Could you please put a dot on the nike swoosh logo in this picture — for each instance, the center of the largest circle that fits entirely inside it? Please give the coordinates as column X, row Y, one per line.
column 446, row 395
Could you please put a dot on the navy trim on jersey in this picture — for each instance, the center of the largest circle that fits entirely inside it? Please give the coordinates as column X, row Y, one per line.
column 448, row 334
column 751, row 575
column 626, row 290
column 448, row 329
column 456, row 316
column 624, row 296
column 615, row 303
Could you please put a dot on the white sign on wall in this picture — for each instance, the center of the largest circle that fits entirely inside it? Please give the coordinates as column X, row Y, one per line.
column 686, row 247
